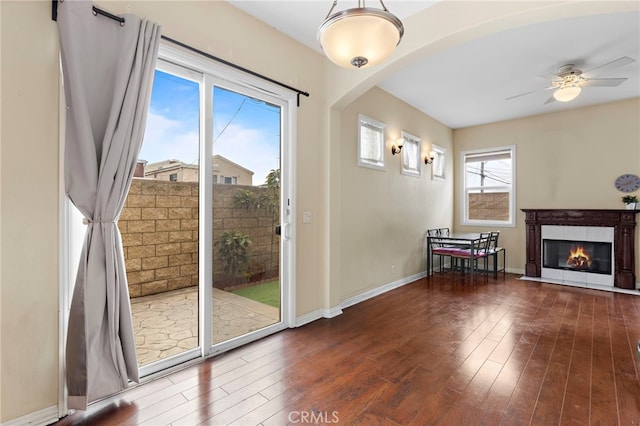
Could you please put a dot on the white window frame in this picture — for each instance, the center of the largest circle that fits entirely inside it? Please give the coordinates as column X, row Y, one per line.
column 411, row 154
column 439, row 163
column 367, row 123
column 464, row 190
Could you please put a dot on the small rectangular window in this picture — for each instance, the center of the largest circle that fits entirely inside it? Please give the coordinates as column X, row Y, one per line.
column 439, row 162
column 370, row 142
column 488, row 186
column 173, row 177
column 411, row 151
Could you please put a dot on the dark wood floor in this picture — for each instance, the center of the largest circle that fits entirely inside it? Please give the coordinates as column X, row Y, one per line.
column 504, row 352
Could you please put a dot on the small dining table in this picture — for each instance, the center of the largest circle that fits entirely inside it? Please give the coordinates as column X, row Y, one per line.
column 466, row 240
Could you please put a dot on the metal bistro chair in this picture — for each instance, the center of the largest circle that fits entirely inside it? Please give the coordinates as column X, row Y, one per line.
column 494, row 251
column 438, row 248
column 481, row 251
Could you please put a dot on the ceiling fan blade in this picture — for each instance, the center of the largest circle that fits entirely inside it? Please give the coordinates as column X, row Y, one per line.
column 625, row 60
column 604, row 82
column 549, row 76
column 528, row 93
column 551, row 99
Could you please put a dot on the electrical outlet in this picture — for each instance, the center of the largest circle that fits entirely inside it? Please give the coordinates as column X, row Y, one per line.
column 306, row 217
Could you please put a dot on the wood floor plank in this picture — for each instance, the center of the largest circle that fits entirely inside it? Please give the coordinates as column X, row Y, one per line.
column 436, row 351
column 603, row 393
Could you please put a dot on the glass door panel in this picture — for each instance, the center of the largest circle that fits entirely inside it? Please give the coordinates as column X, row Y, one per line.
column 246, row 214
column 160, row 225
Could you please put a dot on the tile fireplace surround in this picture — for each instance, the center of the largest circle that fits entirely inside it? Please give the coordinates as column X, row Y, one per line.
column 622, row 221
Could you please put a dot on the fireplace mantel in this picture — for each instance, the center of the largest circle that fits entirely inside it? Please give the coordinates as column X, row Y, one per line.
column 623, row 222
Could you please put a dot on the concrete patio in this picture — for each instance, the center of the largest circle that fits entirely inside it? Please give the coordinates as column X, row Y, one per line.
column 166, row 324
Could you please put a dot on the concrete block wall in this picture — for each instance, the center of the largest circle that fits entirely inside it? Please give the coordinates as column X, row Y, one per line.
column 264, row 252
column 159, row 227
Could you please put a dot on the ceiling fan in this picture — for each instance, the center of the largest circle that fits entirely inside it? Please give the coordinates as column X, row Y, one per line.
column 568, row 82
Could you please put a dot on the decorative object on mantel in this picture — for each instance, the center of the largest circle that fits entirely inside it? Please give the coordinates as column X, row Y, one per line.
column 627, row 182
column 630, row 201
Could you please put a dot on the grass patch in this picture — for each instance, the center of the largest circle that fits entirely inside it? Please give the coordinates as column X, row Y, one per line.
column 267, row 293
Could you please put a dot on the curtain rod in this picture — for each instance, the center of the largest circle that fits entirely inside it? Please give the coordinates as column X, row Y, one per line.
column 98, row 11
column 238, row 67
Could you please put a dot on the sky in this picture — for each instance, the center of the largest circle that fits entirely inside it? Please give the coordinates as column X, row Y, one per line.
column 245, row 130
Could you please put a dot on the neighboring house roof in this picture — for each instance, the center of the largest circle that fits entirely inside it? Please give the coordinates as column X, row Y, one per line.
column 226, row 160
column 168, row 165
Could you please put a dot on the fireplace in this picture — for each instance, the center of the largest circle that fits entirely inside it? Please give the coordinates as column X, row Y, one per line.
column 615, row 227
column 593, row 257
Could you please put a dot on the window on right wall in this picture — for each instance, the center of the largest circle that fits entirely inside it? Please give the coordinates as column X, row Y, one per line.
column 488, row 186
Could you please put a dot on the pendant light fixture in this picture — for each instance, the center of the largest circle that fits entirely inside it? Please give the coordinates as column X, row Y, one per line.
column 359, row 36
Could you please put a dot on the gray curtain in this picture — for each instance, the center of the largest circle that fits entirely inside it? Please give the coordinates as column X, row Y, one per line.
column 108, row 76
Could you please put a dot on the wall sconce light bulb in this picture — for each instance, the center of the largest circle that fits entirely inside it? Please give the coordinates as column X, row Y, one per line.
column 396, row 149
column 428, row 160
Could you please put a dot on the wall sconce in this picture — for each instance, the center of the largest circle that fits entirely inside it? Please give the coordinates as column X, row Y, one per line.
column 396, row 149
column 428, row 160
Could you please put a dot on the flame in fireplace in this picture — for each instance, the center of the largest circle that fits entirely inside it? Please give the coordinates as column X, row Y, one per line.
column 579, row 258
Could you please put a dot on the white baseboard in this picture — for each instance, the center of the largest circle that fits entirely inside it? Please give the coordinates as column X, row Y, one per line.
column 380, row 290
column 43, row 417
column 317, row 314
column 337, row 310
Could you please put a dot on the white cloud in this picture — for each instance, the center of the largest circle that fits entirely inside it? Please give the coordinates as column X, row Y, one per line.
column 251, row 148
column 168, row 139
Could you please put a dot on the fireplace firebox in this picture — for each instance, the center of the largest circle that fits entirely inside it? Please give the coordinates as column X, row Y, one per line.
column 585, row 256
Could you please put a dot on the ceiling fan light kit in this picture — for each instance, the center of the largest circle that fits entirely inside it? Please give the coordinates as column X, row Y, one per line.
column 569, row 81
column 566, row 94
column 359, row 36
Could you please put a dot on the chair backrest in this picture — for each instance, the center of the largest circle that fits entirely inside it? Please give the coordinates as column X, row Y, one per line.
column 443, row 232
column 484, row 243
column 493, row 243
column 434, row 233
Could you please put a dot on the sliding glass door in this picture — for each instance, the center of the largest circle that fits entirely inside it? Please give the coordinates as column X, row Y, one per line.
column 206, row 223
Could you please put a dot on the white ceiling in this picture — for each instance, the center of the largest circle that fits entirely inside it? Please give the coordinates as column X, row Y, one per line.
column 468, row 85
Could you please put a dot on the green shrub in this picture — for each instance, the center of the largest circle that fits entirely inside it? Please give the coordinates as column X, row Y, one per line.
column 233, row 247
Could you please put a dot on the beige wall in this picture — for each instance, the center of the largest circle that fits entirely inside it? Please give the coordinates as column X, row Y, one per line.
column 563, row 160
column 384, row 214
column 29, row 240
column 30, row 198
